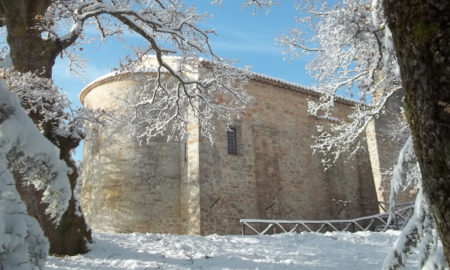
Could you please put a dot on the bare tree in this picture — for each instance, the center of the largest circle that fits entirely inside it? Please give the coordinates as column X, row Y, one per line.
column 37, row 31
column 351, row 60
column 357, row 56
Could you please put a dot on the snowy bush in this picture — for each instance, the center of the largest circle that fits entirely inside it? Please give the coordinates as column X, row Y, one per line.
column 22, row 242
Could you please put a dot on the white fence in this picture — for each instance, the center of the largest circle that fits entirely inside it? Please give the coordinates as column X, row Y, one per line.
column 377, row 222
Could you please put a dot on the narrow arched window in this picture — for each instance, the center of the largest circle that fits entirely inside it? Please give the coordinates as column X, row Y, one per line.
column 232, row 140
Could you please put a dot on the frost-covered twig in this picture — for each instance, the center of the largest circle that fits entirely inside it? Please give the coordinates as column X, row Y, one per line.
column 161, row 102
column 343, row 136
column 406, row 173
column 351, row 59
column 45, row 103
column 354, row 56
column 419, row 235
column 167, row 27
column 260, row 5
column 420, row 231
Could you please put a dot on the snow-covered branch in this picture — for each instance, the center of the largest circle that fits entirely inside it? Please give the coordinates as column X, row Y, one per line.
column 420, row 231
column 167, row 27
column 260, row 5
column 160, row 106
column 344, row 136
column 406, row 172
column 17, row 133
column 256, row 4
column 23, row 244
column 45, row 103
column 351, row 59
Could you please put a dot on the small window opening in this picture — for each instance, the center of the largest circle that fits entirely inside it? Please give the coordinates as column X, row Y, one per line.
column 232, row 140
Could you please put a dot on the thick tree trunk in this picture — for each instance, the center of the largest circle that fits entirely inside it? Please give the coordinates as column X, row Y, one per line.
column 421, row 33
column 30, row 52
column 23, row 18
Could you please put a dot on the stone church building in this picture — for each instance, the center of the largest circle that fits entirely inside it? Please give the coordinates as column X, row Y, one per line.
column 262, row 167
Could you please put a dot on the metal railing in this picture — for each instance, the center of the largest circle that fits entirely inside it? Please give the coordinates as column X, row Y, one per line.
column 369, row 223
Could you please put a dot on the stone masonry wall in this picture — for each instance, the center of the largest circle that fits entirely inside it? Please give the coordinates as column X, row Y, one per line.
column 127, row 186
column 195, row 187
column 386, row 140
column 275, row 175
column 190, row 190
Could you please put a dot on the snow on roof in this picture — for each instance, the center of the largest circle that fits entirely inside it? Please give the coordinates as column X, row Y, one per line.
column 297, row 87
column 253, row 76
column 110, row 75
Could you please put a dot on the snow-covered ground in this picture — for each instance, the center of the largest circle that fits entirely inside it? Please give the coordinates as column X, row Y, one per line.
column 363, row 250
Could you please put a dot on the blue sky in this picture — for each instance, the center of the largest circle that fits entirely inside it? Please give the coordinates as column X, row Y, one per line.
column 241, row 36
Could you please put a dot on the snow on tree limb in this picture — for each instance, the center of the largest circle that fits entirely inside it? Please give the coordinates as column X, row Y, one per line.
column 23, row 244
column 159, row 103
column 167, row 27
column 260, row 5
column 420, row 232
column 18, row 133
column 344, row 136
column 406, row 172
column 354, row 56
column 351, row 58
column 256, row 4
column 419, row 235
column 39, row 96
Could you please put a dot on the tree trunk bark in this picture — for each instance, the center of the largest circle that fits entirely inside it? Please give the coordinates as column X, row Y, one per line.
column 23, row 18
column 421, row 34
column 31, row 53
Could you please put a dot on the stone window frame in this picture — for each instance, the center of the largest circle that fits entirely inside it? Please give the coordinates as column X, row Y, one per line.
column 234, row 135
